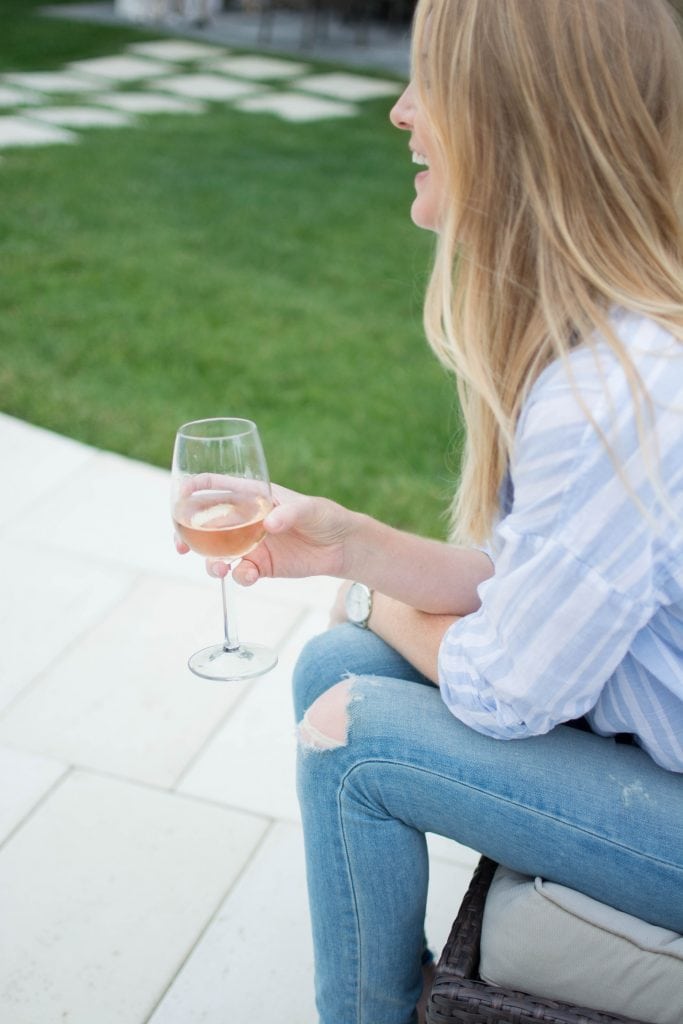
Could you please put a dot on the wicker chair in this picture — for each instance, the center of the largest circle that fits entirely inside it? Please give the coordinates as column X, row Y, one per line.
column 459, row 996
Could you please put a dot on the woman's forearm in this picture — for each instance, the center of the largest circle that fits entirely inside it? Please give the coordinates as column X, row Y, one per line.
column 414, row 634
column 428, row 575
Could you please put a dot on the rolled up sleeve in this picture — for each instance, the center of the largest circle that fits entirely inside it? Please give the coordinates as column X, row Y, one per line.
column 549, row 633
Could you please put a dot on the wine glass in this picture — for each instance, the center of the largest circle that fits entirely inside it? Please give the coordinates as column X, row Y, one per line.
column 220, row 496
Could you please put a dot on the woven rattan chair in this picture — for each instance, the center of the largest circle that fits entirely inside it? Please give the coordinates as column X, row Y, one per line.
column 459, row 996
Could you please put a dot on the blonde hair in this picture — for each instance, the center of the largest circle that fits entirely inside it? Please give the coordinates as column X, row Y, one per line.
column 559, row 128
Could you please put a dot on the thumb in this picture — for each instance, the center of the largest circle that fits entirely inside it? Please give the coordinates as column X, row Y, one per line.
column 284, row 517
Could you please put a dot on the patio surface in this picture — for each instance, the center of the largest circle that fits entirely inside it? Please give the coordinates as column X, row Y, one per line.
column 151, row 865
column 172, row 76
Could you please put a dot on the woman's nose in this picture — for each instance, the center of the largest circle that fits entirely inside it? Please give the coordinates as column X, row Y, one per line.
column 402, row 112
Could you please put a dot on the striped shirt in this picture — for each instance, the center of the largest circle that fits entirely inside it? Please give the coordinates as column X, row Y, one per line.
column 584, row 613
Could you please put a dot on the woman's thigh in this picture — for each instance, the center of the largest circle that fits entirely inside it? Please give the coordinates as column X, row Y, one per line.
column 582, row 810
column 341, row 652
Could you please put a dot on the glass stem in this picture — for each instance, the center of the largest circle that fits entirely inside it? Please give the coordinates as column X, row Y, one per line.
column 231, row 640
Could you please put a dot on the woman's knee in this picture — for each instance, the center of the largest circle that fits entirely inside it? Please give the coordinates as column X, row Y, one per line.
column 320, row 665
column 325, row 723
column 342, row 652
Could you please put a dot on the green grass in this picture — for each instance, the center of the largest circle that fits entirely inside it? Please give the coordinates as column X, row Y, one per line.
column 228, row 264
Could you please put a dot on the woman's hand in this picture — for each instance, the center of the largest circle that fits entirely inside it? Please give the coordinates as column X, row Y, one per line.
column 308, row 536
column 305, row 536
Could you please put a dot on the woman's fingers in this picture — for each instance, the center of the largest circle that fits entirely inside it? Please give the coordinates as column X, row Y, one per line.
column 304, row 536
column 217, row 568
column 246, row 573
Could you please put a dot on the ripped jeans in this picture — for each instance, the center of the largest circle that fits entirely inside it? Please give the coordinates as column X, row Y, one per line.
column 382, row 761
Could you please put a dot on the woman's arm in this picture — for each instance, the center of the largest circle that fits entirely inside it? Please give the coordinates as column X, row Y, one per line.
column 314, row 536
column 424, row 574
column 309, row 536
column 416, row 635
column 421, row 586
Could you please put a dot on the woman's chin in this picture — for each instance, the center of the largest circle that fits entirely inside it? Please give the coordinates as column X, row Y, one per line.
column 423, row 215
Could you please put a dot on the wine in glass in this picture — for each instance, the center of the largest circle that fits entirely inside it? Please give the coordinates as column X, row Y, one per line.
column 220, row 497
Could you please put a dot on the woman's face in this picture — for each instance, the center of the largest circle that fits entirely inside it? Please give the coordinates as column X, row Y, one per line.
column 407, row 114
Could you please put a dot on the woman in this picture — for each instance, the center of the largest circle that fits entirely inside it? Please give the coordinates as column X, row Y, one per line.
column 551, row 134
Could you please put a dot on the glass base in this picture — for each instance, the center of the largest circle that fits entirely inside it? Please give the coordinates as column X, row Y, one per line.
column 245, row 662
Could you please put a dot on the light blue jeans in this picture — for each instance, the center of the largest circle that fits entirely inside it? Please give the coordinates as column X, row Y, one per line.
column 594, row 814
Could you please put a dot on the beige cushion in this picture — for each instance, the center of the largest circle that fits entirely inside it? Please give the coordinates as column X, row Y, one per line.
column 550, row 941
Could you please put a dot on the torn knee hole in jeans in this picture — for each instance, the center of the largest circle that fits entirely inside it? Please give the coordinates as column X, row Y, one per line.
column 325, row 724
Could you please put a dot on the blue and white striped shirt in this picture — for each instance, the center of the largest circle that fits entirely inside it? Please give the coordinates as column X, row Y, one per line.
column 584, row 614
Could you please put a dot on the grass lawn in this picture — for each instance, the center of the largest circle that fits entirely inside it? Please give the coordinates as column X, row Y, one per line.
column 225, row 264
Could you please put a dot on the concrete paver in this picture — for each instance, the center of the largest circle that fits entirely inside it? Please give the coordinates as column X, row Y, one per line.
column 104, row 892
column 124, row 68
column 184, row 69
column 80, row 117
column 51, row 81
column 22, row 131
column 148, row 103
column 292, row 106
column 177, row 50
column 12, row 97
column 206, row 86
column 259, row 67
column 343, row 85
column 151, row 862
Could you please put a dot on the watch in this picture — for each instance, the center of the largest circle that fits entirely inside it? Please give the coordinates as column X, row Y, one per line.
column 359, row 605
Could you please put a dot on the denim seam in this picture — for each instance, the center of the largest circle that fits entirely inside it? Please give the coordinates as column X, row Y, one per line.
column 467, row 786
column 512, row 803
column 359, row 973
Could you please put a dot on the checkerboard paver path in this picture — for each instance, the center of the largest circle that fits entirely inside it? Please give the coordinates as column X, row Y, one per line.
column 169, row 76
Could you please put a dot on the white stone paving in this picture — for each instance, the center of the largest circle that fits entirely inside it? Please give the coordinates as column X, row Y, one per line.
column 206, row 86
column 70, row 595
column 80, row 117
column 121, row 69
column 151, row 865
column 346, row 86
column 243, row 951
column 227, row 770
column 292, row 106
column 51, row 81
column 22, row 131
column 11, row 97
column 24, row 781
column 148, row 103
column 176, row 50
column 104, row 892
column 172, row 76
column 259, row 67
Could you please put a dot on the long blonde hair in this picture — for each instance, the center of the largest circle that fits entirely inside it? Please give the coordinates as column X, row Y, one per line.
column 559, row 126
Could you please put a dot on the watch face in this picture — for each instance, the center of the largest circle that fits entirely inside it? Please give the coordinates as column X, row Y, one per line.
column 358, row 603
